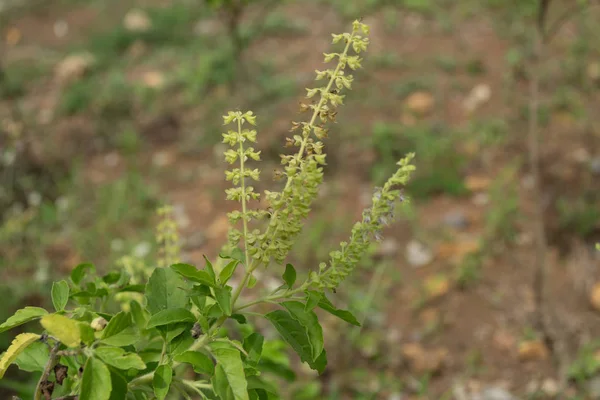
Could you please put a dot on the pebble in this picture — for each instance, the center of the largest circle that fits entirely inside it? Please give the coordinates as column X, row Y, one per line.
column 593, row 387
column 417, row 254
column 194, row 240
column 456, row 219
column 181, row 218
column 496, row 393
column 595, row 165
column 550, row 387
column 481, row 199
column 73, row 67
column 137, row 20
column 388, row 248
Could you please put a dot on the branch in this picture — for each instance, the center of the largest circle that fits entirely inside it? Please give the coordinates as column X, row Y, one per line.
column 563, row 18
column 49, row 365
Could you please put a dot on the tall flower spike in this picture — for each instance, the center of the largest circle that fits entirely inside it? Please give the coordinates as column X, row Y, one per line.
column 167, row 238
column 241, row 192
column 343, row 261
column 304, row 170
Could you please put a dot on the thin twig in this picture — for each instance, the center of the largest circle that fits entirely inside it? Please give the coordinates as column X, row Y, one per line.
column 563, row 18
column 49, row 365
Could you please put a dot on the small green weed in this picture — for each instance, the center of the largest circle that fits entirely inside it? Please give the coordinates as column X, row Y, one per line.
column 441, row 171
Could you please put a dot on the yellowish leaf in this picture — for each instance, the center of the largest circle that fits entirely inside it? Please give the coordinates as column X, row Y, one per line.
column 17, row 346
column 64, row 329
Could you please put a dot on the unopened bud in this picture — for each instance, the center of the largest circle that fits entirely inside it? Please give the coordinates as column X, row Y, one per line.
column 98, row 324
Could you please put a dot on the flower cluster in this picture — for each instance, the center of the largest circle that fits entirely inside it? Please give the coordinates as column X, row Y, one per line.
column 167, row 238
column 342, row 262
column 241, row 192
column 304, row 169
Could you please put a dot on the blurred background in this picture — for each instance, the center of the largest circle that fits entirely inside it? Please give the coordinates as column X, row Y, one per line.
column 109, row 108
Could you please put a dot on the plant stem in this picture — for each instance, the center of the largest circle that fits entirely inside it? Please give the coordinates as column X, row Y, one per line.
column 49, row 365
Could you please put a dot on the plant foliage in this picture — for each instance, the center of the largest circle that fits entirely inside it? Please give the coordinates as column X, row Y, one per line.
column 136, row 334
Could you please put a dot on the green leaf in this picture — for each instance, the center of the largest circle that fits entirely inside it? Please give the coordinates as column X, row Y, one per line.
column 312, row 299
column 162, row 381
column 228, row 271
column 64, row 329
column 347, row 316
column 165, row 289
column 22, row 316
column 310, row 322
column 294, row 334
column 170, row 316
column 201, row 363
column 60, row 295
column 209, row 269
column 87, row 333
column 193, row 274
column 78, row 273
column 33, row 358
column 95, row 382
column 118, row 358
column 171, row 331
column 120, row 331
column 181, row 343
column 240, row 318
column 251, row 281
column 140, row 316
column 18, row 345
column 255, row 382
column 119, row 386
column 289, row 276
column 253, row 345
column 232, row 376
column 223, row 297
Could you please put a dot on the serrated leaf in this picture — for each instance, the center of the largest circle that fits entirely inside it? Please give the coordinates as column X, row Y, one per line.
column 223, row 297
column 253, row 344
column 60, row 295
column 162, row 381
column 201, row 363
column 18, row 345
column 78, row 273
column 310, row 322
column 170, row 316
column 120, row 331
column 22, row 316
column 289, row 276
column 95, row 382
column 228, row 271
column 294, row 334
column 231, row 380
column 193, row 274
column 345, row 315
column 64, row 329
column 119, row 358
column 33, row 358
column 165, row 289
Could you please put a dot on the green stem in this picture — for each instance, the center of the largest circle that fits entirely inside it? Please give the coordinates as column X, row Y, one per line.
column 273, row 297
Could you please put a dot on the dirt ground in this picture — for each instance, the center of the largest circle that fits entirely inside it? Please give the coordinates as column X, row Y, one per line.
column 460, row 320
